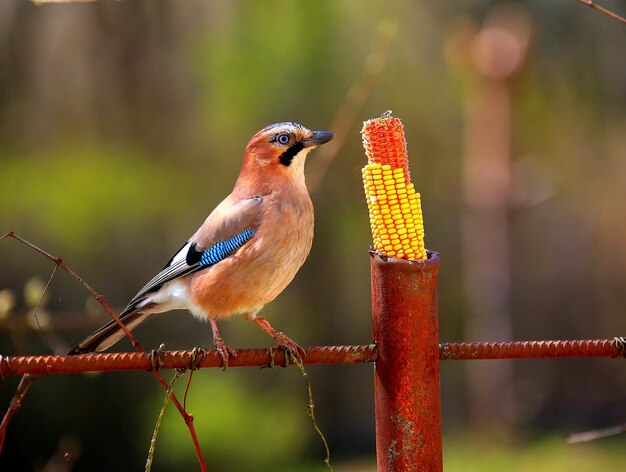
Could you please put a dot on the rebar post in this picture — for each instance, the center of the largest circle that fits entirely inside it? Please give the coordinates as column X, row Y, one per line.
column 406, row 379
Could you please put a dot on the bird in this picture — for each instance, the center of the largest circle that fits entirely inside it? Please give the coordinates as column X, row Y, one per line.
column 245, row 253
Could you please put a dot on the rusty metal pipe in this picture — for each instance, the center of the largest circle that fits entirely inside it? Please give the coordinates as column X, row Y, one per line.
column 111, row 362
column 615, row 347
column 406, row 379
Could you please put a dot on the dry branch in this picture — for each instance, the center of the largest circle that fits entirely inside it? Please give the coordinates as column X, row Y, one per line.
column 603, row 10
column 27, row 380
column 596, row 434
column 357, row 95
column 589, row 3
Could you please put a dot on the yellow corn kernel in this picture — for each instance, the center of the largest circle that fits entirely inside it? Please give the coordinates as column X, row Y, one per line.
column 394, row 207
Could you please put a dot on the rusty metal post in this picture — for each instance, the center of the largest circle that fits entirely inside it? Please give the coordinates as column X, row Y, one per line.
column 406, row 379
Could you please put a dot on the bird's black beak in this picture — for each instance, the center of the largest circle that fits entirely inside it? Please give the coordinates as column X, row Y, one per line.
column 319, row 137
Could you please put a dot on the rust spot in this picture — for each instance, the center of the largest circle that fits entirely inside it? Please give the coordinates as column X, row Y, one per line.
column 392, row 455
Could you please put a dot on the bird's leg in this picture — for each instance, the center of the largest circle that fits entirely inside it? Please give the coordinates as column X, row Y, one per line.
column 223, row 350
column 281, row 340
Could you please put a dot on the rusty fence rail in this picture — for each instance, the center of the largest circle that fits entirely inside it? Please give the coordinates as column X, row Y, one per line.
column 155, row 360
column 615, row 347
column 123, row 361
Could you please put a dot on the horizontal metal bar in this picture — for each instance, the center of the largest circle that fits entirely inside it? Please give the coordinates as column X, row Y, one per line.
column 111, row 362
column 615, row 347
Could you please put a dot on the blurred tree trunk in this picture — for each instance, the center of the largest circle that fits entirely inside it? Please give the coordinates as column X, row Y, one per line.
column 490, row 57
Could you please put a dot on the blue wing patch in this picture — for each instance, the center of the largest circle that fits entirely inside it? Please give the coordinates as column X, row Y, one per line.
column 223, row 249
column 192, row 261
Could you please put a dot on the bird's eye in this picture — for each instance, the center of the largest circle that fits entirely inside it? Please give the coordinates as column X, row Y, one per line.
column 283, row 139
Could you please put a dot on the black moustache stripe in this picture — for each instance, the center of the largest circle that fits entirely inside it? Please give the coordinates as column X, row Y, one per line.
column 287, row 156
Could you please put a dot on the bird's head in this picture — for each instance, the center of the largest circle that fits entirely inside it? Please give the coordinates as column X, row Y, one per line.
column 279, row 150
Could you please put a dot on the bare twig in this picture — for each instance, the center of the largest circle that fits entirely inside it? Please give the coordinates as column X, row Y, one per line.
column 355, row 98
column 43, row 294
column 27, row 380
column 99, row 298
column 42, row 2
column 603, row 10
column 310, row 407
column 157, row 426
column 596, row 434
column 187, row 389
column 66, row 321
column 16, row 402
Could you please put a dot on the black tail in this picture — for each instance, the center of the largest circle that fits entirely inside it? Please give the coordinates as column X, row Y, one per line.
column 110, row 333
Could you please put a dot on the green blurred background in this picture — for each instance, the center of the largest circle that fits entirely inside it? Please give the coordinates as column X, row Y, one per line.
column 122, row 124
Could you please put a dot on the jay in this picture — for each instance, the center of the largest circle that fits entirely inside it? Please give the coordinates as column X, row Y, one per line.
column 245, row 253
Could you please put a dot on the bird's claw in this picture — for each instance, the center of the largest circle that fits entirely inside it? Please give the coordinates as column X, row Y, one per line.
column 292, row 348
column 225, row 352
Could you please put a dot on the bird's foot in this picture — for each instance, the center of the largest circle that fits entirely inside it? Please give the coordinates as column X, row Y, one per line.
column 292, row 348
column 225, row 352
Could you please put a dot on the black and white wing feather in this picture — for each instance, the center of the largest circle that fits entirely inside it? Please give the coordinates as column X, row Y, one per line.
column 229, row 227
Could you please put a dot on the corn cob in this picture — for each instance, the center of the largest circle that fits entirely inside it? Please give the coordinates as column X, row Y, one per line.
column 395, row 209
